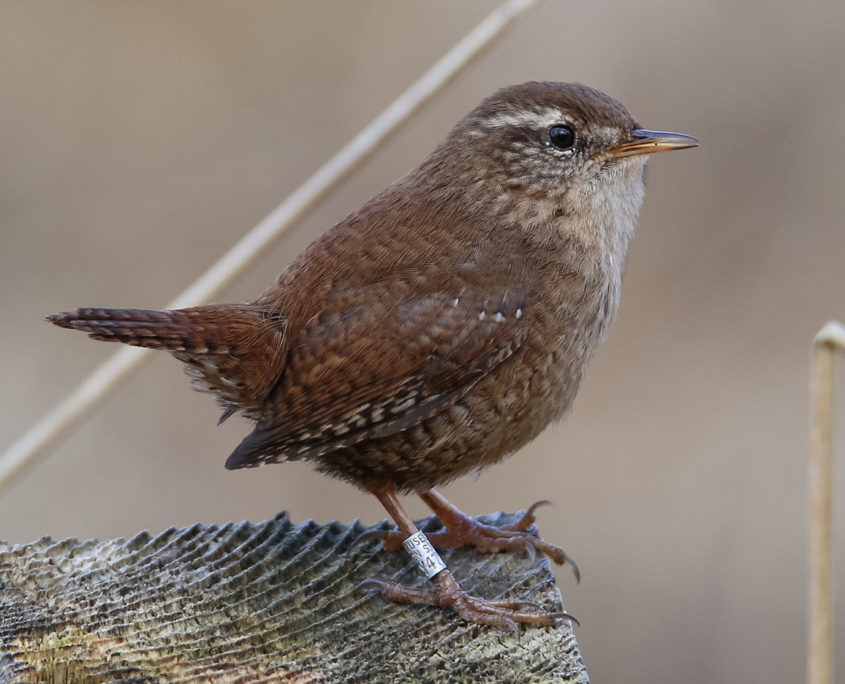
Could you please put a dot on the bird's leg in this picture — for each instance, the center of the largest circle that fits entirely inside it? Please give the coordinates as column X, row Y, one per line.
column 445, row 590
column 459, row 529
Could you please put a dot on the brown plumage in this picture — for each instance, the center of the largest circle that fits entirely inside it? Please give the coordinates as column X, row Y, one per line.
column 445, row 323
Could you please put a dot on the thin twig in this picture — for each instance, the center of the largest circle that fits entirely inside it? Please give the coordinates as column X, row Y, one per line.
column 58, row 423
column 820, row 642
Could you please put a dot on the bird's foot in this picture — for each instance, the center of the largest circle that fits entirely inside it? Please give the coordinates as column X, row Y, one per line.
column 446, row 592
column 460, row 529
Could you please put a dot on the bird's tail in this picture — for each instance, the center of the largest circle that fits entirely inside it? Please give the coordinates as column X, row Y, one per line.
column 233, row 350
column 184, row 330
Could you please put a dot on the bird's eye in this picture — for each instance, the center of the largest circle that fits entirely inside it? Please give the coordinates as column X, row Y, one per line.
column 562, row 137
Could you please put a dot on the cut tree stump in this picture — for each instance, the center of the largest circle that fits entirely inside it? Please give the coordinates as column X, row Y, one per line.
column 271, row 601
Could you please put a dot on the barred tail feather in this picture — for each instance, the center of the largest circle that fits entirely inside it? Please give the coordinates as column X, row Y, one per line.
column 235, row 351
column 171, row 330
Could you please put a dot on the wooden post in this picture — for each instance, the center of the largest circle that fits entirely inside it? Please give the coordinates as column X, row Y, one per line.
column 263, row 602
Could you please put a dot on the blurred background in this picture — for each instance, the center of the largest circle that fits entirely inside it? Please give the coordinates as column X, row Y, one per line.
column 139, row 141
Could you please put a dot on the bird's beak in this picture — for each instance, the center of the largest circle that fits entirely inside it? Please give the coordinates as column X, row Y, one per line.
column 648, row 142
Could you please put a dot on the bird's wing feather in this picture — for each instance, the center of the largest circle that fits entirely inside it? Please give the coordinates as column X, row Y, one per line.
column 400, row 364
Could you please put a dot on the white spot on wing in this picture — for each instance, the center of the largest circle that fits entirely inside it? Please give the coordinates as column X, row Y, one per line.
column 398, row 408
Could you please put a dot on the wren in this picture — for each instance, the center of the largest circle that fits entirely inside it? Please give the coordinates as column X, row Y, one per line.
column 441, row 326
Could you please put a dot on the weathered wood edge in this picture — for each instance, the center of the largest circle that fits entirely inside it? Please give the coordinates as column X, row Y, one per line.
column 251, row 602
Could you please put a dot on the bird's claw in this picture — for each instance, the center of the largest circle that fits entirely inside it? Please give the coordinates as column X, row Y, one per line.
column 527, row 519
column 371, row 583
column 505, row 613
column 460, row 529
column 371, row 535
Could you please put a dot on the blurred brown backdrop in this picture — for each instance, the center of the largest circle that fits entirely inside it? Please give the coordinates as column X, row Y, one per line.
column 138, row 141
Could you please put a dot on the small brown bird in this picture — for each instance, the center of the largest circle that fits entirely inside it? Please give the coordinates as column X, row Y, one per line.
column 441, row 326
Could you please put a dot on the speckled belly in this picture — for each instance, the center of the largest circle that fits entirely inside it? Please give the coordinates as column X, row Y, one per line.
column 498, row 415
